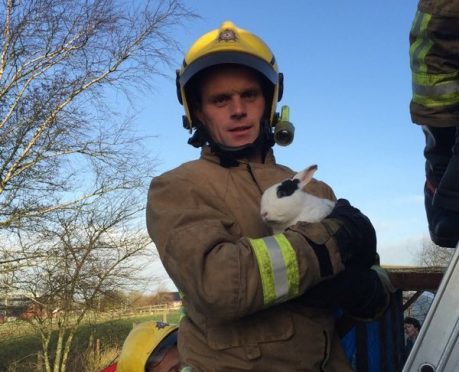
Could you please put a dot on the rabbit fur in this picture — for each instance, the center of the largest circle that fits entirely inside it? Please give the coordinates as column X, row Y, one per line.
column 285, row 203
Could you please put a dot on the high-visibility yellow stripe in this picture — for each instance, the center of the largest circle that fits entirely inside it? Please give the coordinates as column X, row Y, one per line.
column 433, row 90
column 281, row 284
column 415, row 29
column 265, row 269
column 278, row 268
column 421, row 46
column 423, row 79
column 440, row 101
column 429, row 90
column 291, row 264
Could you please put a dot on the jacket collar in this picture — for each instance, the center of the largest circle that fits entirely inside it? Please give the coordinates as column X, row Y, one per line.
column 209, row 155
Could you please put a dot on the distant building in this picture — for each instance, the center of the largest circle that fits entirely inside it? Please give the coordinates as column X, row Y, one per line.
column 170, row 298
column 12, row 306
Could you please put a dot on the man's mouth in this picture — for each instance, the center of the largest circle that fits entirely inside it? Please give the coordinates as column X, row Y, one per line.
column 240, row 128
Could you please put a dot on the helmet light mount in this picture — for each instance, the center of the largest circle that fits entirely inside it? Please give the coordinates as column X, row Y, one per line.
column 284, row 130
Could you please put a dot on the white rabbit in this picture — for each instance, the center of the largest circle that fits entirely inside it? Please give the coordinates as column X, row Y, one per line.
column 285, row 203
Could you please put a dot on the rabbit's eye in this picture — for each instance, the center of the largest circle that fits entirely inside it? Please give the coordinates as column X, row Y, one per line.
column 281, row 193
column 287, row 188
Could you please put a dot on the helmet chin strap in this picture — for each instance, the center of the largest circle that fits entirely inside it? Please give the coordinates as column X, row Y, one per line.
column 264, row 141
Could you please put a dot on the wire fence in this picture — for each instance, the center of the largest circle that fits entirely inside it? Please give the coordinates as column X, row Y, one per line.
column 15, row 327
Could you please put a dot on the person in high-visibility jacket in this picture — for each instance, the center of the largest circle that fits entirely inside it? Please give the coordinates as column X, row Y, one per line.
column 245, row 289
column 434, row 61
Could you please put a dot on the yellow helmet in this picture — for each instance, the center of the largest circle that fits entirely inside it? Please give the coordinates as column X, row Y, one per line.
column 140, row 343
column 229, row 45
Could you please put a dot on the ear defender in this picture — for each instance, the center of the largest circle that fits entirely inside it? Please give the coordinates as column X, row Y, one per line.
column 185, row 121
column 177, row 84
column 281, row 86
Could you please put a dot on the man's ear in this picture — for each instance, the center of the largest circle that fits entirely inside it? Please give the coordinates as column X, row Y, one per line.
column 197, row 113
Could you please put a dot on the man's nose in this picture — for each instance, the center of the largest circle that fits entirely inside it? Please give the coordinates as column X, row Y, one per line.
column 238, row 107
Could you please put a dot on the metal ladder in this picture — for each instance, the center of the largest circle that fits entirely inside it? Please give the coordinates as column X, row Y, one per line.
column 437, row 345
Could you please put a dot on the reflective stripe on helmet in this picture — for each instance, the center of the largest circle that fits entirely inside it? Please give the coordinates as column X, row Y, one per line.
column 429, row 90
column 278, row 268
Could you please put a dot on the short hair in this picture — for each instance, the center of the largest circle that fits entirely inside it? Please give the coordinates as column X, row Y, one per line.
column 412, row 321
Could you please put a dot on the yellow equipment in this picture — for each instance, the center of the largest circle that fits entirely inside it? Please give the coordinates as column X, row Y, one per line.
column 144, row 339
column 229, row 45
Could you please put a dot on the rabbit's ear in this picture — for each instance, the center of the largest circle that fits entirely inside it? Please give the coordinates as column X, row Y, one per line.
column 306, row 175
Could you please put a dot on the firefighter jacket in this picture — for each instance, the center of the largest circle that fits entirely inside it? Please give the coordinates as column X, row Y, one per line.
column 434, row 62
column 239, row 282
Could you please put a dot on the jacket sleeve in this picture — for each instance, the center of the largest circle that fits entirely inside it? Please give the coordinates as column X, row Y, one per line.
column 221, row 273
column 362, row 293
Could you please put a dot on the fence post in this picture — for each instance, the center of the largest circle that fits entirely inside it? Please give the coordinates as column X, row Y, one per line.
column 39, row 361
column 97, row 351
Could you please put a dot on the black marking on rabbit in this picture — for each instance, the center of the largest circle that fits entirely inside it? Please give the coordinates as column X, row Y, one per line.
column 287, row 188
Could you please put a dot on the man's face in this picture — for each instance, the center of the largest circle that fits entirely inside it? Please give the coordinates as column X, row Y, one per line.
column 170, row 362
column 410, row 330
column 232, row 105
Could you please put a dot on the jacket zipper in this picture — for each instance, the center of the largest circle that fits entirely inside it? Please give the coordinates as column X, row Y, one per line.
column 249, row 168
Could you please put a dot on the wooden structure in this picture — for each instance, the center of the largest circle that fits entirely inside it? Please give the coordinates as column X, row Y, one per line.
column 379, row 346
column 415, row 279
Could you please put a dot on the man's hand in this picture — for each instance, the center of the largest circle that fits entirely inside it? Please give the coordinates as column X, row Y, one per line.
column 345, row 238
column 356, row 238
column 360, row 292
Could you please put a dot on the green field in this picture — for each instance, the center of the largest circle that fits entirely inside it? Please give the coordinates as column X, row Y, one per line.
column 19, row 346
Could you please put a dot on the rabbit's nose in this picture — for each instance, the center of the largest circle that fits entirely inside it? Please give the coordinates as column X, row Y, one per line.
column 264, row 215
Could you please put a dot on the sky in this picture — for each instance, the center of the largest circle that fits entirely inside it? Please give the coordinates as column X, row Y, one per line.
column 347, row 82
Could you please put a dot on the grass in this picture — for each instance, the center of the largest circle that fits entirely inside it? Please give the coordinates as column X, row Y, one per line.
column 19, row 346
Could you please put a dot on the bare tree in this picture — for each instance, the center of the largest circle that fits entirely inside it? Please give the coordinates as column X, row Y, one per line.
column 57, row 59
column 90, row 251
column 435, row 258
column 72, row 173
column 431, row 254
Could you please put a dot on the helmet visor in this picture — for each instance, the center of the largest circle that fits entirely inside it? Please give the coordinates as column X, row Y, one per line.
column 158, row 354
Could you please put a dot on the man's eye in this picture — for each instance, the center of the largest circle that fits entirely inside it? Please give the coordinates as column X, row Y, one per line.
column 251, row 94
column 220, row 100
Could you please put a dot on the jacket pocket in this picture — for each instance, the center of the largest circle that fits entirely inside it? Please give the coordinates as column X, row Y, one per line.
column 273, row 324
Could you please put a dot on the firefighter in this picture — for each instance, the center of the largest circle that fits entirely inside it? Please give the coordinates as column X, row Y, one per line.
column 434, row 61
column 244, row 289
column 150, row 347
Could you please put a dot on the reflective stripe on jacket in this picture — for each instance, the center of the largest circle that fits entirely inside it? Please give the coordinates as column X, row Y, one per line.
column 434, row 62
